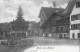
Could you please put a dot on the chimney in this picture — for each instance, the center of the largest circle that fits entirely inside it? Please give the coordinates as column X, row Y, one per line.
column 54, row 4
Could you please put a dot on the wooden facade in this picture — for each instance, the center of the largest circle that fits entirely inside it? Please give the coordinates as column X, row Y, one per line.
column 56, row 25
column 66, row 23
column 63, row 25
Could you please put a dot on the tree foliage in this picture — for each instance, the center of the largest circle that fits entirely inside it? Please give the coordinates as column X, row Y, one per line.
column 20, row 23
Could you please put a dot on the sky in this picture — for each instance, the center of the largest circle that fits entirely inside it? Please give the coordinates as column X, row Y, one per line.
column 31, row 8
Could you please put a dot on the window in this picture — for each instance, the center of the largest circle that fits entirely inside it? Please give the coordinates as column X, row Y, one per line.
column 78, row 16
column 59, row 21
column 13, row 34
column 78, row 35
column 53, row 29
column 65, row 28
column 72, row 26
column 60, row 28
column 75, row 26
column 77, row 4
column 74, row 17
column 78, row 26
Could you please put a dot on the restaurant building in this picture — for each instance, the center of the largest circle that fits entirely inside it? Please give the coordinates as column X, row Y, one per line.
column 57, row 23
column 75, row 20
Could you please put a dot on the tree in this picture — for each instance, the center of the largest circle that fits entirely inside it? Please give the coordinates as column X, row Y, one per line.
column 20, row 14
column 20, row 23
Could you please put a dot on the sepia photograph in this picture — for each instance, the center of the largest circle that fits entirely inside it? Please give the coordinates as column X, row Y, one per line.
column 39, row 25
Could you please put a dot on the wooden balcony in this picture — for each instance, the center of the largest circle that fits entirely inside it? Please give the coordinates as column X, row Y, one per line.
column 63, row 29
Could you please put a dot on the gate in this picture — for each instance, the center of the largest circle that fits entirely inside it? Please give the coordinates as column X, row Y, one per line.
column 60, row 35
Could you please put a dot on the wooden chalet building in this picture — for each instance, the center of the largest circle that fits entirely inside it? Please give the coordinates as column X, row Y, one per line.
column 49, row 17
column 57, row 26
column 57, row 22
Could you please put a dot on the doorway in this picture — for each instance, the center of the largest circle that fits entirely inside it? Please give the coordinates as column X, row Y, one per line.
column 78, row 35
column 73, row 35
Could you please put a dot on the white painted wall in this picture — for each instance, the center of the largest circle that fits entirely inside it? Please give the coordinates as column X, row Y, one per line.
column 75, row 22
column 75, row 32
column 74, row 12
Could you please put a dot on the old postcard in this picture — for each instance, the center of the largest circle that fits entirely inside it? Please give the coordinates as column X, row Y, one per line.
column 39, row 25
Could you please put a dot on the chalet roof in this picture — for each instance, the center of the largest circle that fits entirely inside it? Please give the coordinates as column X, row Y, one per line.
column 50, row 11
column 69, row 7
